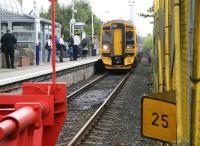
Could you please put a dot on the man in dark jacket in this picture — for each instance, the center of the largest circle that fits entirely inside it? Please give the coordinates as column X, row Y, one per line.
column 8, row 41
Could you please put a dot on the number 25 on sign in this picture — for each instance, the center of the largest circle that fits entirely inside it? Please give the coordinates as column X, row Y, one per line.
column 159, row 119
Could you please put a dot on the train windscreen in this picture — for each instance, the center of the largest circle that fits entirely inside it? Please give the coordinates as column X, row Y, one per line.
column 129, row 39
column 106, row 40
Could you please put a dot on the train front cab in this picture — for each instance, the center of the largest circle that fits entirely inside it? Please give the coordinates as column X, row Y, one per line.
column 118, row 45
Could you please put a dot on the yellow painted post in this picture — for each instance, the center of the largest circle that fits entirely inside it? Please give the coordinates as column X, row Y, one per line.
column 155, row 60
column 167, row 63
column 160, row 71
column 180, row 134
column 196, row 78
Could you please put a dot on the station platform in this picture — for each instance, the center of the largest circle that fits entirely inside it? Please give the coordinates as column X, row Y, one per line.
column 8, row 76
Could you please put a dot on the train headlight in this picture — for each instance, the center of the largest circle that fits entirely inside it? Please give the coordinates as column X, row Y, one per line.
column 105, row 47
column 129, row 46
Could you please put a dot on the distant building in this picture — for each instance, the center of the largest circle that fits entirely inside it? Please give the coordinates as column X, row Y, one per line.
column 28, row 29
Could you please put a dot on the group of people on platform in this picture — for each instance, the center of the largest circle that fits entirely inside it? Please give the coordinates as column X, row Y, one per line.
column 60, row 47
column 77, row 47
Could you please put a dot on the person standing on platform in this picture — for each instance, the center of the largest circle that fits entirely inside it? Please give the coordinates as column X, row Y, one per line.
column 95, row 48
column 57, row 48
column 76, row 46
column 84, row 43
column 37, row 52
column 71, row 49
column 9, row 41
column 61, row 47
column 48, row 48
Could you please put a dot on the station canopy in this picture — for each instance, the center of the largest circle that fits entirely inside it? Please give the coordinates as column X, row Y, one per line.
column 12, row 6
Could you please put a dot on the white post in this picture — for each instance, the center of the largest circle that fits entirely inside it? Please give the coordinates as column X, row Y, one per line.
column 35, row 9
column 131, row 2
column 72, row 27
column 92, row 27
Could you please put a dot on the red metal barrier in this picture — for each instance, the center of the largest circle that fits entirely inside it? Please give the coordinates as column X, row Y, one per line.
column 34, row 118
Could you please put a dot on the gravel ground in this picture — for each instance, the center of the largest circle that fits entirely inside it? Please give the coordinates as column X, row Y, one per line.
column 81, row 108
column 126, row 128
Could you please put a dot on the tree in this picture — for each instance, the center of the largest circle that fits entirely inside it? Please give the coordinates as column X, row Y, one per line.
column 147, row 44
column 84, row 14
column 148, row 14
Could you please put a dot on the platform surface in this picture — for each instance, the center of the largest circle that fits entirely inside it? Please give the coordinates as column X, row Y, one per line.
column 21, row 73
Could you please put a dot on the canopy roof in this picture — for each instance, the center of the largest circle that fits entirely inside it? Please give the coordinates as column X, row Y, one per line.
column 13, row 6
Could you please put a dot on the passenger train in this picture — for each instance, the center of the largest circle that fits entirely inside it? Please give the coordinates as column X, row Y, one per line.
column 118, row 44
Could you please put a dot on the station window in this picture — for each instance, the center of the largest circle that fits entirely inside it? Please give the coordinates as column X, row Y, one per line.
column 4, row 26
column 24, row 36
column 25, row 45
column 23, row 26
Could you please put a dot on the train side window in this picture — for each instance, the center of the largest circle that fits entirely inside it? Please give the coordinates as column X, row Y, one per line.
column 129, row 39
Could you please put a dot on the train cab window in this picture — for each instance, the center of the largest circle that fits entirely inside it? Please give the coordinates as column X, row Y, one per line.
column 129, row 39
column 106, row 40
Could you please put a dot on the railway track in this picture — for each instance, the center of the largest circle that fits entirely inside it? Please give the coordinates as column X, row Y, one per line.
column 84, row 103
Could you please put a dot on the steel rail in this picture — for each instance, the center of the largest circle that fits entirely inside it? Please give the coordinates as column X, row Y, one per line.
column 84, row 130
column 80, row 90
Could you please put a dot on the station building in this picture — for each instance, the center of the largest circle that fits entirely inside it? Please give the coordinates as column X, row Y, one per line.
column 30, row 30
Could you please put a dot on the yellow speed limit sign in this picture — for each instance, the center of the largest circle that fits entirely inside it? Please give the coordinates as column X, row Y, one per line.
column 159, row 117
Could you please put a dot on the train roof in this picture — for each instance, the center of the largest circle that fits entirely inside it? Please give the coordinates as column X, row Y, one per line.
column 119, row 21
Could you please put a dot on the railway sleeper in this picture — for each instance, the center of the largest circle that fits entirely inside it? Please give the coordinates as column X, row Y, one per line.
column 91, row 143
column 93, row 139
column 116, row 107
column 112, row 111
column 96, row 138
column 102, row 128
column 118, row 101
column 110, row 121
column 108, row 117
column 104, row 124
column 99, row 132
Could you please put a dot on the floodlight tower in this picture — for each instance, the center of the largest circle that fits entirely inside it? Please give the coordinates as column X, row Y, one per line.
column 131, row 3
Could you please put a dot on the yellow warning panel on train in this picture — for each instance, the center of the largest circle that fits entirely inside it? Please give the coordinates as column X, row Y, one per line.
column 159, row 116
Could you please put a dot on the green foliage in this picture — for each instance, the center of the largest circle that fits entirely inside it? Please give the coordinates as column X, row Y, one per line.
column 147, row 44
column 84, row 14
column 147, row 41
column 148, row 14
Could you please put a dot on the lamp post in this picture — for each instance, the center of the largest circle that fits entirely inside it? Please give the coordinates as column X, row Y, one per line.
column 92, row 26
column 72, row 21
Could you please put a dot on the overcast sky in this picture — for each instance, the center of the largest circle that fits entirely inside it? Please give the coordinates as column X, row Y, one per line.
column 108, row 10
